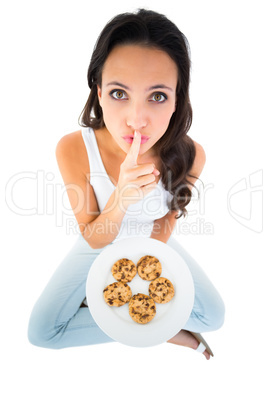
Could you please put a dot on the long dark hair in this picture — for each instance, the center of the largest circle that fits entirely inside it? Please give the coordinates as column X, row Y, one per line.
column 175, row 149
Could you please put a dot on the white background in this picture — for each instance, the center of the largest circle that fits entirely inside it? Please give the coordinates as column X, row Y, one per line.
column 45, row 52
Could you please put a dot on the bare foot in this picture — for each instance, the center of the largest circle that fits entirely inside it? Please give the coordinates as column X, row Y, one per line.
column 185, row 338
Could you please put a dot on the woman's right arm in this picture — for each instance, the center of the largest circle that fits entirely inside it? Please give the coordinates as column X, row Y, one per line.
column 135, row 181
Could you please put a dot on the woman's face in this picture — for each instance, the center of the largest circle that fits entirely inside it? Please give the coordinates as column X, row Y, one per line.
column 138, row 92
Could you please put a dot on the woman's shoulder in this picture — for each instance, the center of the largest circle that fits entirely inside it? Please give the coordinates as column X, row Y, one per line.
column 199, row 160
column 71, row 149
column 69, row 143
column 200, row 155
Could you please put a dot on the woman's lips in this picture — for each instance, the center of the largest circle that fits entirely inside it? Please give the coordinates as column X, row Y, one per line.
column 129, row 139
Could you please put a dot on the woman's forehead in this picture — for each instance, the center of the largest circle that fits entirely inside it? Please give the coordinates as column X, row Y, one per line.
column 140, row 63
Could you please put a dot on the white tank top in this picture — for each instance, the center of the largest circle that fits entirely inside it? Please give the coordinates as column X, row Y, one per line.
column 139, row 217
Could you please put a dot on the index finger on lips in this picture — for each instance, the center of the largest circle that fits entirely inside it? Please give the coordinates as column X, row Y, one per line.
column 133, row 152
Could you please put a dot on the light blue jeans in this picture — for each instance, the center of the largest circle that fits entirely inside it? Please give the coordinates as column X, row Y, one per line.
column 57, row 320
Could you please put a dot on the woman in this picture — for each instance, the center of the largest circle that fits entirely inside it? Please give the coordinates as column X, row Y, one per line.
column 133, row 148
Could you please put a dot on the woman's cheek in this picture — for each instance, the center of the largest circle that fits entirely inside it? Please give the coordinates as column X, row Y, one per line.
column 112, row 111
column 163, row 123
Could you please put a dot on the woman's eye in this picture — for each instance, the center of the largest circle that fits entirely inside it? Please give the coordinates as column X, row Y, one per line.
column 118, row 94
column 159, row 97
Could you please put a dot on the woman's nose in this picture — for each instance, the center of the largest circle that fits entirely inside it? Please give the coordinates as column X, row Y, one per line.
column 137, row 117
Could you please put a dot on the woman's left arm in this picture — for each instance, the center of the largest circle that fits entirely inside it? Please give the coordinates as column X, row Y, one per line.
column 164, row 226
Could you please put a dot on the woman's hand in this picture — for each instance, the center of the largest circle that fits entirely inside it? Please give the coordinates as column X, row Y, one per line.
column 135, row 181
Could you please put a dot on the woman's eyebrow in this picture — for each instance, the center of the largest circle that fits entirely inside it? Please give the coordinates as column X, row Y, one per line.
column 158, row 86
column 118, row 84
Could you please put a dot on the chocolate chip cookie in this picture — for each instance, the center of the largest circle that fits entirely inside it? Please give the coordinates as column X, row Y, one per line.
column 117, row 294
column 124, row 270
column 161, row 290
column 149, row 268
column 141, row 308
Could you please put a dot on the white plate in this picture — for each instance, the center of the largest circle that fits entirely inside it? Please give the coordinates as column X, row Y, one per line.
column 116, row 321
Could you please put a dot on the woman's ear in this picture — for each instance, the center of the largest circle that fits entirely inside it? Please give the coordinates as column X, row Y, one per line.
column 99, row 94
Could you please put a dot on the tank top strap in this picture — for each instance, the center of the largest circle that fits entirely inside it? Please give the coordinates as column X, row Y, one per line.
column 98, row 178
column 94, row 157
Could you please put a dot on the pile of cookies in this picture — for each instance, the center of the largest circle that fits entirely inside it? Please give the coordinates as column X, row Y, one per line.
column 142, row 308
